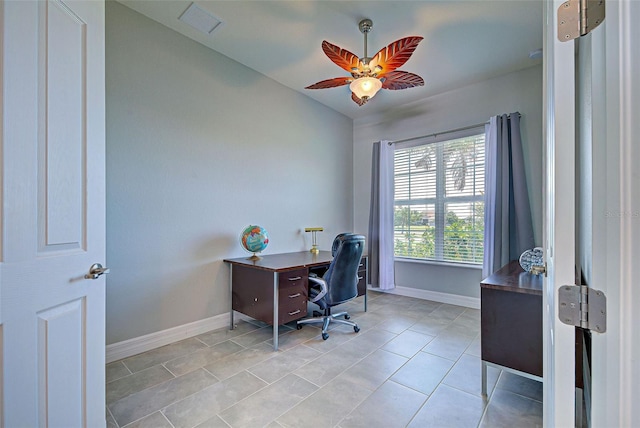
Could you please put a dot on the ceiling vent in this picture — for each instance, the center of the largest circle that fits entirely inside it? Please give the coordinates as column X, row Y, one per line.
column 200, row 19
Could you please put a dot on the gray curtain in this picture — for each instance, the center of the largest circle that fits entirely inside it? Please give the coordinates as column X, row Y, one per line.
column 374, row 217
column 380, row 245
column 508, row 229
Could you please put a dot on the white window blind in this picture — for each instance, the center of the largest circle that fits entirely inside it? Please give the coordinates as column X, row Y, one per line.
column 439, row 200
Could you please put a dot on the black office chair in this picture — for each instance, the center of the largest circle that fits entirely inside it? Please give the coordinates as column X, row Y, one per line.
column 339, row 284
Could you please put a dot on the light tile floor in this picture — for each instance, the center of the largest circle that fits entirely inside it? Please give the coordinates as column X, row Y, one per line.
column 415, row 363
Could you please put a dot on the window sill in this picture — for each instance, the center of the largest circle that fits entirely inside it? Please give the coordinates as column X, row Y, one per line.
column 436, row 263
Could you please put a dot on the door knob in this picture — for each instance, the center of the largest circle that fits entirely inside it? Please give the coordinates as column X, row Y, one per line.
column 96, row 270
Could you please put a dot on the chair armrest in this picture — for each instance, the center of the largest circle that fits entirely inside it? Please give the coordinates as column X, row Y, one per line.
column 323, row 288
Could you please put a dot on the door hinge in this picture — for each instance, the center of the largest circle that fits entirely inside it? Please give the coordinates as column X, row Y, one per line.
column 578, row 17
column 581, row 306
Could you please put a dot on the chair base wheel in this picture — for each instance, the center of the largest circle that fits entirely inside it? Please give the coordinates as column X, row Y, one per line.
column 299, row 326
column 347, row 317
column 356, row 328
column 325, row 336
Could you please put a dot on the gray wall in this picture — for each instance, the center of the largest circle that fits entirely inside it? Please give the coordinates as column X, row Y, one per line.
column 470, row 105
column 199, row 146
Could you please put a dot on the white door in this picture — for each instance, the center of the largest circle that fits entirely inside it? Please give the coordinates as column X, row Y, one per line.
column 53, row 213
column 598, row 214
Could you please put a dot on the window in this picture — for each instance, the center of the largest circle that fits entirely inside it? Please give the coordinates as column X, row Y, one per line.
column 439, row 200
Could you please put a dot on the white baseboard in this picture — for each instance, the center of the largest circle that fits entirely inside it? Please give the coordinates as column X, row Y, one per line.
column 137, row 345
column 436, row 296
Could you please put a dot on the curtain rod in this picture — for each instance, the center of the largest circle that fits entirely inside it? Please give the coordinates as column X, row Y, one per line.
column 443, row 133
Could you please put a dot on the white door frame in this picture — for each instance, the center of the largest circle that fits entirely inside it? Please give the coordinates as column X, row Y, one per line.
column 559, row 220
column 616, row 259
column 615, row 354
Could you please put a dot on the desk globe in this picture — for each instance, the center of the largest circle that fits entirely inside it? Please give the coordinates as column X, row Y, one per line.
column 254, row 239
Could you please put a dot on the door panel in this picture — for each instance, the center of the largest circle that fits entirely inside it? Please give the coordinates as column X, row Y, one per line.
column 62, row 113
column 53, row 199
column 61, row 382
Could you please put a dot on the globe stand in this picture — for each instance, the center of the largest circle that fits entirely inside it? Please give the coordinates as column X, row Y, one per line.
column 314, row 246
column 255, row 257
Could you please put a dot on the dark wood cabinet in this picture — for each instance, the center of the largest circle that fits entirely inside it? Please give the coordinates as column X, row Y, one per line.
column 511, row 321
column 511, row 325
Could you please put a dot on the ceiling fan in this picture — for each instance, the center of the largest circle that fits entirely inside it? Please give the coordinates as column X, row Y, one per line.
column 370, row 74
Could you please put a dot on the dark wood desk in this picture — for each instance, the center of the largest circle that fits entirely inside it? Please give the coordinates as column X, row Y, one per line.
column 274, row 289
column 511, row 322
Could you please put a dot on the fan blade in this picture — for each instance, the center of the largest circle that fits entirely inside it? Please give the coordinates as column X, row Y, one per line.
column 331, row 83
column 401, row 80
column 357, row 100
column 341, row 57
column 394, row 55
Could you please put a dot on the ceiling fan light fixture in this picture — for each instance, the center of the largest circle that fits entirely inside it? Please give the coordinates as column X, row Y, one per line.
column 365, row 87
column 370, row 74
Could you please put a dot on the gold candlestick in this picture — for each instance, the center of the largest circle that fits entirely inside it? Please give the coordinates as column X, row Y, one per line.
column 314, row 245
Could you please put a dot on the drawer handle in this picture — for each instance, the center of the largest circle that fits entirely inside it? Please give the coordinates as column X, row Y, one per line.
column 361, row 264
column 360, row 277
column 293, row 296
column 294, row 312
column 295, row 278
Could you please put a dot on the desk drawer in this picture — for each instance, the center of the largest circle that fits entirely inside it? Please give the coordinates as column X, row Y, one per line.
column 293, row 293
column 293, row 278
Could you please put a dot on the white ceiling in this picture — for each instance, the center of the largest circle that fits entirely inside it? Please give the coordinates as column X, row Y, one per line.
column 464, row 41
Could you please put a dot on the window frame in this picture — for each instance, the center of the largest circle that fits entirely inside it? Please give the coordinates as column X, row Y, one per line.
column 442, row 200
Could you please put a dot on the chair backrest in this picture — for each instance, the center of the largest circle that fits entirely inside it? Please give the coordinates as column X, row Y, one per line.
column 342, row 275
column 337, row 241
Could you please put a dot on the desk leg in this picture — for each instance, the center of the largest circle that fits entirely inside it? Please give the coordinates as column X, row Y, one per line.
column 484, row 378
column 366, row 282
column 275, row 311
column 231, row 297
